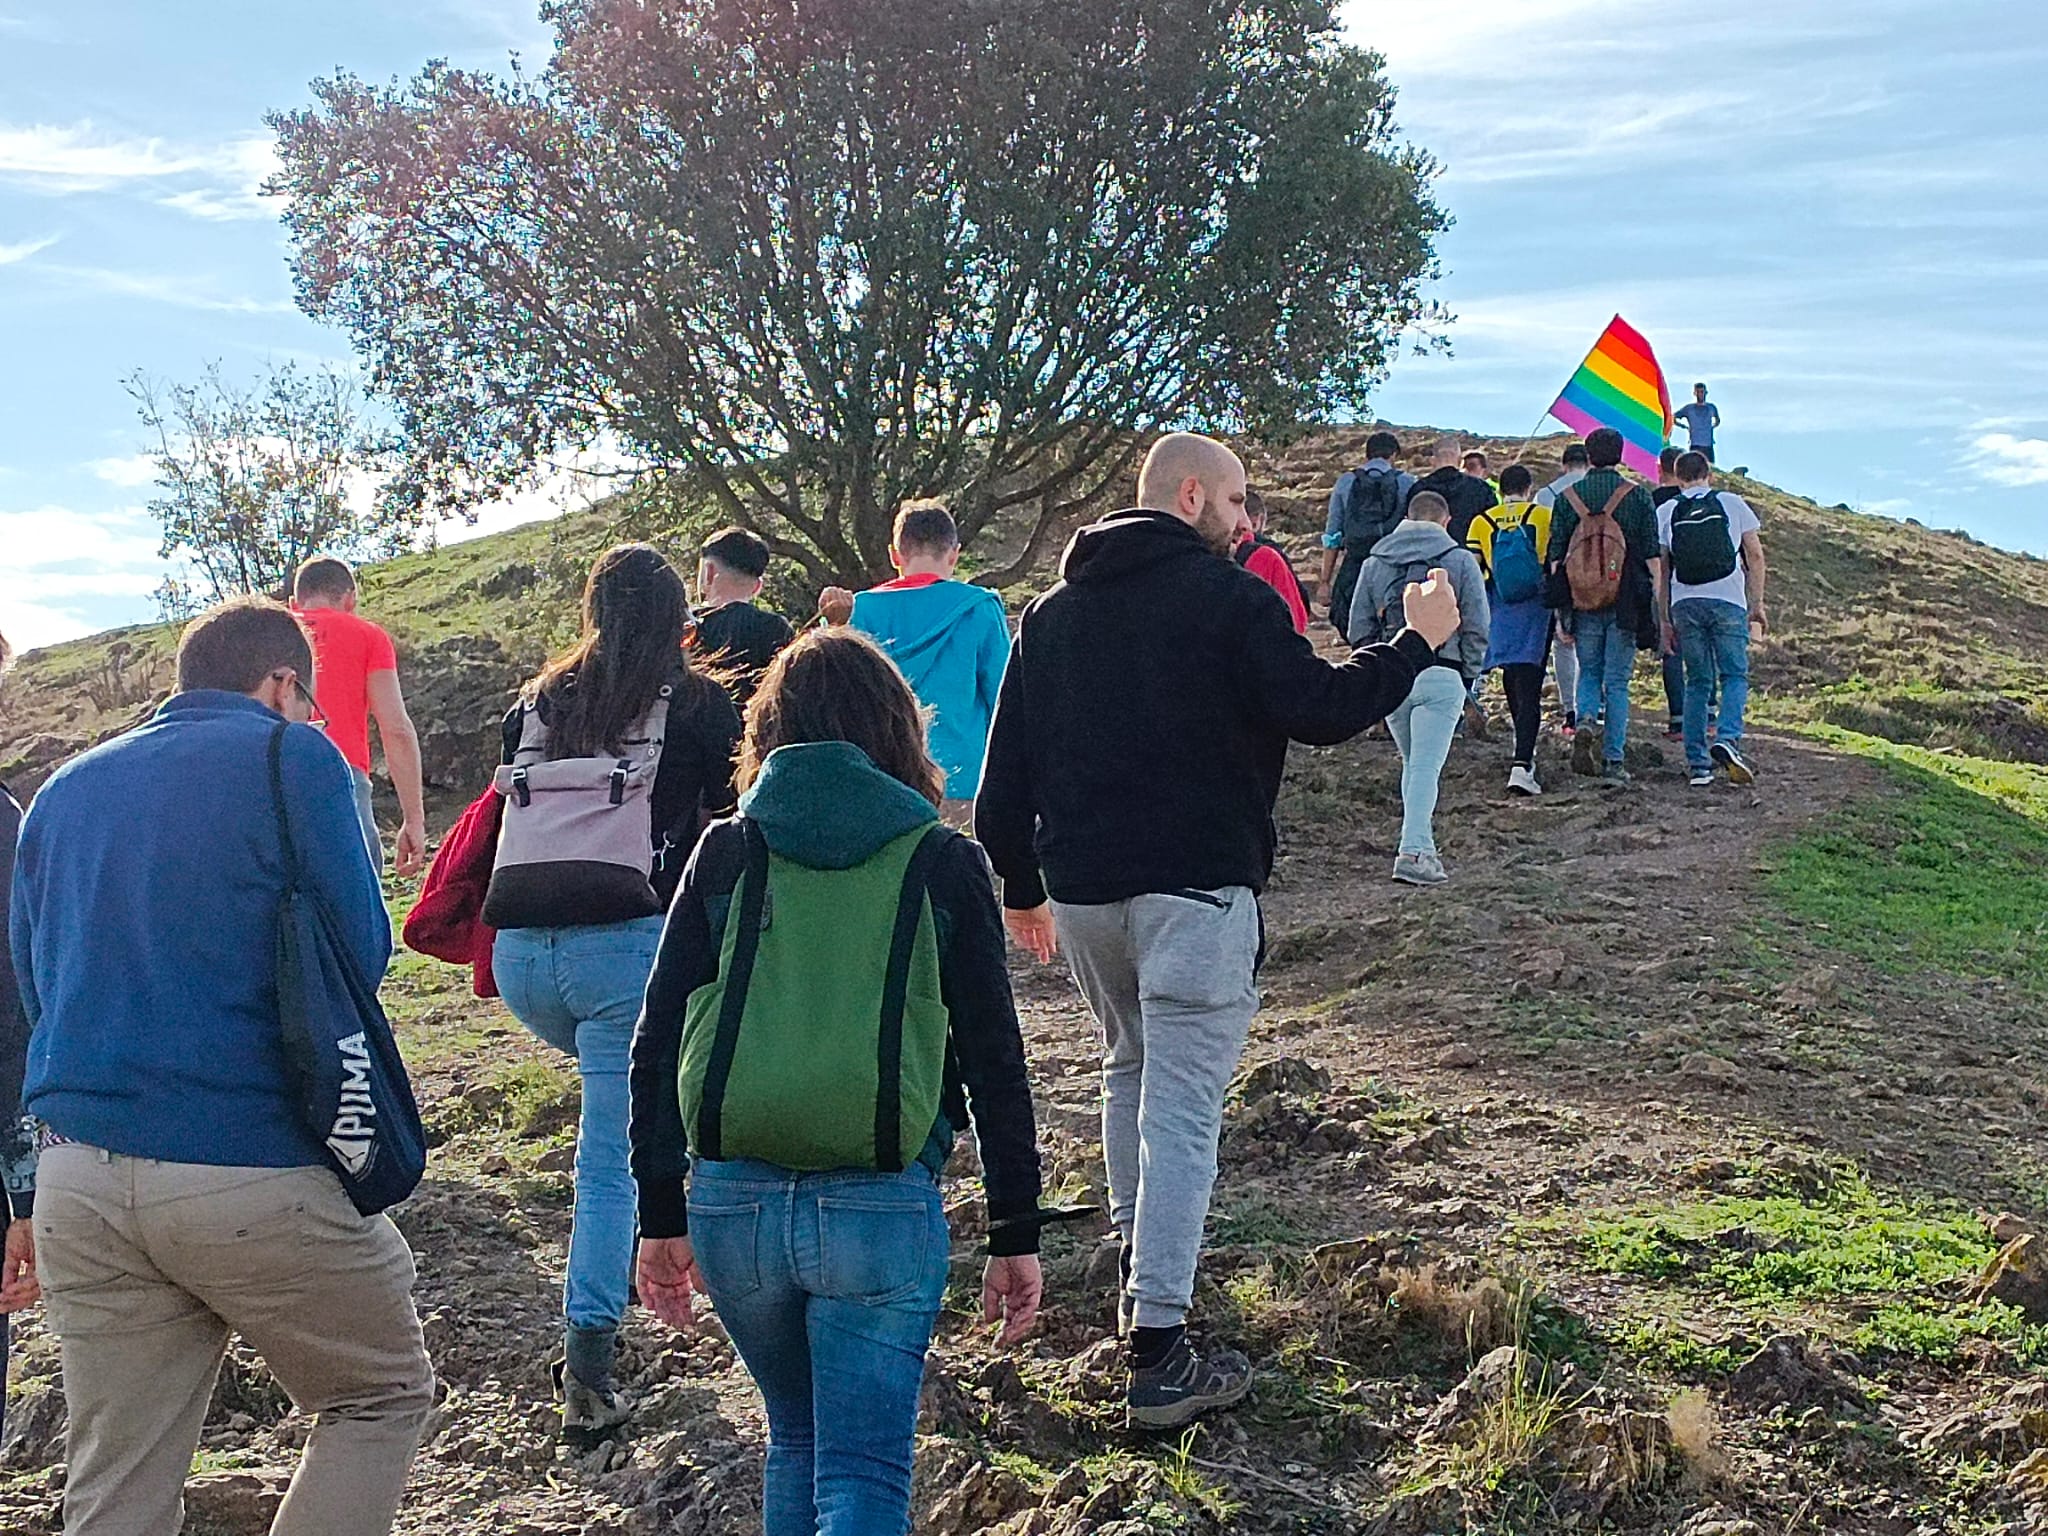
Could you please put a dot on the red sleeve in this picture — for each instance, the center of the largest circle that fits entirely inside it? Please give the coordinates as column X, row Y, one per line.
column 378, row 653
column 1270, row 566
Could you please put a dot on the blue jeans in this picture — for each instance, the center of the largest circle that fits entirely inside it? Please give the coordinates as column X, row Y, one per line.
column 828, row 1284
column 1422, row 728
column 579, row 989
column 368, row 818
column 1713, row 637
column 1607, row 660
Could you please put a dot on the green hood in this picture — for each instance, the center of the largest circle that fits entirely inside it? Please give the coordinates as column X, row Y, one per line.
column 825, row 805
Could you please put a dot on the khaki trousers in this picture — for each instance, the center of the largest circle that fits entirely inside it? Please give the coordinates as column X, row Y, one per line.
column 148, row 1267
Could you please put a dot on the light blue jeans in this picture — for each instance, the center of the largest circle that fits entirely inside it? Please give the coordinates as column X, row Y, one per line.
column 1607, row 660
column 828, row 1285
column 579, row 989
column 1713, row 637
column 1422, row 728
column 368, row 817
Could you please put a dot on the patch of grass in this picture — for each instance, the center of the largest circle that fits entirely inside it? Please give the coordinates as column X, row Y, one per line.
column 1887, row 1270
column 1946, row 870
column 1663, row 1346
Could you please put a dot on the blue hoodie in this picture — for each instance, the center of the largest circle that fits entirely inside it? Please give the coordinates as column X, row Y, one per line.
column 952, row 641
column 144, row 927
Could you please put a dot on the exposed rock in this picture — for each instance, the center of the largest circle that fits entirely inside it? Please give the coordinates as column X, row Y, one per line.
column 1714, row 1071
column 1284, row 1074
column 1785, row 1373
column 239, row 1503
column 35, row 1426
column 1458, row 1056
column 2018, row 1276
column 1485, row 1384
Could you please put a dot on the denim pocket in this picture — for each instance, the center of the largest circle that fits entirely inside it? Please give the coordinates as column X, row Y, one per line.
column 873, row 1251
column 726, row 1240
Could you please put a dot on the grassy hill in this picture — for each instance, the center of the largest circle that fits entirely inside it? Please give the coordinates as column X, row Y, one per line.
column 1677, row 1167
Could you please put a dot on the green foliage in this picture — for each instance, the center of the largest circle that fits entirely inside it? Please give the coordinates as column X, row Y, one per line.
column 251, row 481
column 816, row 260
column 1893, row 1266
column 1948, row 868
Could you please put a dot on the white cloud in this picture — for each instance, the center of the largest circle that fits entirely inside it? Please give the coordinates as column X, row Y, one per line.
column 216, row 181
column 10, row 254
column 160, row 288
column 2002, row 459
column 135, row 470
column 60, row 560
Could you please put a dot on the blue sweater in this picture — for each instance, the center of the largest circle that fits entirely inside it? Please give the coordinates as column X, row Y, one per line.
column 144, row 924
column 952, row 641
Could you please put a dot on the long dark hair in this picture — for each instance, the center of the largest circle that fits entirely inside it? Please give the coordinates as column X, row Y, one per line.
column 635, row 611
column 837, row 685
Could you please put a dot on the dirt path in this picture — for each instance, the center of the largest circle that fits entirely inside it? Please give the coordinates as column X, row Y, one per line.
column 1584, row 1018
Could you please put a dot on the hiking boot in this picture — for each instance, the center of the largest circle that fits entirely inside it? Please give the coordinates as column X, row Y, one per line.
column 1186, row 1383
column 1420, row 869
column 1475, row 721
column 1522, row 781
column 1615, row 774
column 588, row 1413
column 1586, row 751
column 1702, row 778
column 1728, row 756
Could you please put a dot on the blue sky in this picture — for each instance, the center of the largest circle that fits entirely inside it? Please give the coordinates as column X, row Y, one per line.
column 1833, row 214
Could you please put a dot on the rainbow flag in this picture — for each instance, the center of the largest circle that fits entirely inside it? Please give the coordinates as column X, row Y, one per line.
column 1619, row 385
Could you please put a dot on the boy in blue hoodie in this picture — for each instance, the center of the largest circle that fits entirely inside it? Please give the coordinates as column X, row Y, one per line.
column 950, row 639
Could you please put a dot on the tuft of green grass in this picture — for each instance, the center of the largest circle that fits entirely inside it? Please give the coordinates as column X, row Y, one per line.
column 1946, row 870
column 1886, row 1273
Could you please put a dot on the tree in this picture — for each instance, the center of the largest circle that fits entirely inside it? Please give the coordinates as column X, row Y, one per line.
column 253, row 481
column 815, row 258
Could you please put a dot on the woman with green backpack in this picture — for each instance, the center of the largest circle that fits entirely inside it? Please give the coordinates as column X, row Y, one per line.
column 830, row 997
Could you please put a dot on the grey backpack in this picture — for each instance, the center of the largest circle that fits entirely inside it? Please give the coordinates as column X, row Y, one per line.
column 576, row 846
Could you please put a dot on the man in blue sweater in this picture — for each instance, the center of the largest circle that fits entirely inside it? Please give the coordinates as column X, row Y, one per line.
column 951, row 640
column 180, row 1198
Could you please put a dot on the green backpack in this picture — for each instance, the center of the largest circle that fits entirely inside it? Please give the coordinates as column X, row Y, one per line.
column 822, row 1041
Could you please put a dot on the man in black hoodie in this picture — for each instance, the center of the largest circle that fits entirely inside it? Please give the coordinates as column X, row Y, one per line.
column 1466, row 495
column 1132, row 769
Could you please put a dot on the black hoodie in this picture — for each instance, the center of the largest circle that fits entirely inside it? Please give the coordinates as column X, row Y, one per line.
column 1143, row 724
column 1466, row 495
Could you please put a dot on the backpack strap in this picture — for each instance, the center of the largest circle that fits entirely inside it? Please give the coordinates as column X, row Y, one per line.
column 1571, row 494
column 293, row 878
column 739, row 977
column 1622, row 493
column 895, row 993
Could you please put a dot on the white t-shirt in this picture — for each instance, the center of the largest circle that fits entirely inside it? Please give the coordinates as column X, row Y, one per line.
column 1733, row 587
column 1548, row 496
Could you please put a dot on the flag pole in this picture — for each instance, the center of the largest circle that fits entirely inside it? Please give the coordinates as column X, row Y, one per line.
column 1568, row 378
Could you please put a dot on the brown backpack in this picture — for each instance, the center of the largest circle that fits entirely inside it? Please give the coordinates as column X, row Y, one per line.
column 1598, row 551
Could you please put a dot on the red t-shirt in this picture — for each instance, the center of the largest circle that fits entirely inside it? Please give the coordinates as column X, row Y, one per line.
column 1270, row 566
column 346, row 650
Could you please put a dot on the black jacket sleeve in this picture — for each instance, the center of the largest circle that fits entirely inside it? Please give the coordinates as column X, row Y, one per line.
column 1006, row 812
column 1319, row 702
column 686, row 960
column 988, row 1046
column 17, row 1153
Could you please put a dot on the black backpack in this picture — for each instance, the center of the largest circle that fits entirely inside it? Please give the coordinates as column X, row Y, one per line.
column 1244, row 557
column 1702, row 542
column 1372, row 508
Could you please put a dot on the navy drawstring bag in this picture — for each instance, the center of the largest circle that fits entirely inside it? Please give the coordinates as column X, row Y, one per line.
column 352, row 1087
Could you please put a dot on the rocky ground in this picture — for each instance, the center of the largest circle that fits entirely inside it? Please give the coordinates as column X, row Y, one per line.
column 1581, row 1193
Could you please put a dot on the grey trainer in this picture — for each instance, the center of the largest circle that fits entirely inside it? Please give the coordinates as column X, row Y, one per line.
column 587, row 1411
column 1187, row 1383
column 1420, row 869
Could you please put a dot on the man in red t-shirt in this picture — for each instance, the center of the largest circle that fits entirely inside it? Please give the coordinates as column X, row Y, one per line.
column 1268, row 561
column 355, row 681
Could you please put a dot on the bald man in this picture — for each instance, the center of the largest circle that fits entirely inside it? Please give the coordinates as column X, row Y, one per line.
column 1127, row 804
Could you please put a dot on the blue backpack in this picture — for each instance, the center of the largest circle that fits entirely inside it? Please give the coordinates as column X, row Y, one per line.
column 1517, row 567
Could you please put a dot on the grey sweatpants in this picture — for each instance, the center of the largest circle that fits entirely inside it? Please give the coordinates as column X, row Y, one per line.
column 1170, row 980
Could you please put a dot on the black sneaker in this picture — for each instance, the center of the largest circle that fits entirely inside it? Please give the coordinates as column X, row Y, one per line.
column 1185, row 1384
column 1739, row 771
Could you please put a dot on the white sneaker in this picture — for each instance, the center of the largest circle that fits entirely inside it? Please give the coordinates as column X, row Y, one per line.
column 1419, row 869
column 1522, row 781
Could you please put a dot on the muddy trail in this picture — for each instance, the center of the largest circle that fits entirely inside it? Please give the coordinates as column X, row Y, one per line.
column 1453, row 1102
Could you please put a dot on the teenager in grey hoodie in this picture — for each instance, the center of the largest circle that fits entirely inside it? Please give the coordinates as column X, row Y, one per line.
column 1424, row 725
